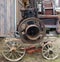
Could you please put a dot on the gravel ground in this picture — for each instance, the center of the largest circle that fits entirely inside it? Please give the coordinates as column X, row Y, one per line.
column 36, row 57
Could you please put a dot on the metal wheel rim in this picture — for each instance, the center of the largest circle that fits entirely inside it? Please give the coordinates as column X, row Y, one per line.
column 51, row 57
column 20, row 54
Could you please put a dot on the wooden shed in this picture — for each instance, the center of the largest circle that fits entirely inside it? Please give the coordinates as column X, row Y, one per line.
column 7, row 17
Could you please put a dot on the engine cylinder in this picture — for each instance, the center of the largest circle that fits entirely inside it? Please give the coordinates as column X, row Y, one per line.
column 32, row 32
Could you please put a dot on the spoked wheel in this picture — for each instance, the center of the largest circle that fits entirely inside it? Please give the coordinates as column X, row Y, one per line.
column 49, row 51
column 13, row 51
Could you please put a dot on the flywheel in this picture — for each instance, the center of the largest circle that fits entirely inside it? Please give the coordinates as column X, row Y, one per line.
column 31, row 30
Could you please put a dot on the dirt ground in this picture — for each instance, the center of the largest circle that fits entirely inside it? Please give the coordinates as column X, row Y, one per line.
column 36, row 57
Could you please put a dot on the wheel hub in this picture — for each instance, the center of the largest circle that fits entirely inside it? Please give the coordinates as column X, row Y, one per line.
column 50, row 52
column 13, row 49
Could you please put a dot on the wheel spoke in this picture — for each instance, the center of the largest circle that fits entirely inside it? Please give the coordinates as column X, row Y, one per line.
column 8, row 46
column 13, row 56
column 18, row 46
column 6, row 51
column 45, row 48
column 45, row 52
column 21, row 52
column 10, row 55
column 53, row 55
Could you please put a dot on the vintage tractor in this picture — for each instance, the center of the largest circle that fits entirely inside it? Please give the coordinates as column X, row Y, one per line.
column 32, row 32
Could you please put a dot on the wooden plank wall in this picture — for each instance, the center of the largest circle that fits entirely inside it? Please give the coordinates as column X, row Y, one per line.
column 7, row 17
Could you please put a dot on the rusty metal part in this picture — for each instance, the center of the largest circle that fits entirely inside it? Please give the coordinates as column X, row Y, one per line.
column 33, row 49
column 31, row 30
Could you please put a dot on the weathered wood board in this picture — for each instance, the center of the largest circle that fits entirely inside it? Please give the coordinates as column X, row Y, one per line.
column 7, row 17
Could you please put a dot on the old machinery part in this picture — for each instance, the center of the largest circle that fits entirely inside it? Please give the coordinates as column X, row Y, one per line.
column 29, row 12
column 49, row 51
column 13, row 50
column 48, row 8
column 33, row 49
column 31, row 30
